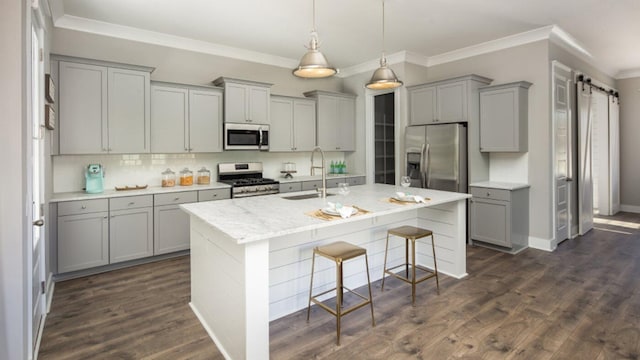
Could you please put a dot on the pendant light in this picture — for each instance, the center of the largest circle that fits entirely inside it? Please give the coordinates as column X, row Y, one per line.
column 383, row 77
column 313, row 64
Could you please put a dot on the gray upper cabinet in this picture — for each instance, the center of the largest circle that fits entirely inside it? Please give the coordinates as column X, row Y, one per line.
column 503, row 117
column 336, row 120
column 443, row 101
column 103, row 109
column 82, row 113
column 293, row 124
column 185, row 119
column 245, row 101
column 129, row 111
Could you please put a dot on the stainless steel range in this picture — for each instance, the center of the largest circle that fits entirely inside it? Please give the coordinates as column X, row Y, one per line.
column 246, row 179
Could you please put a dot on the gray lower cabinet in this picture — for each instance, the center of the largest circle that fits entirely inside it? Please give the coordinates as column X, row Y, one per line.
column 214, row 194
column 171, row 230
column 499, row 216
column 83, row 234
column 130, row 228
column 356, row 180
column 290, row 187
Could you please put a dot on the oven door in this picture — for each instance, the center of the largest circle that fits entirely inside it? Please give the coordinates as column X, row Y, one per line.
column 246, row 137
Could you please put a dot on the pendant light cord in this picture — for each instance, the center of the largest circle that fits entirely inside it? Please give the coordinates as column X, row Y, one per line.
column 314, row 17
column 383, row 47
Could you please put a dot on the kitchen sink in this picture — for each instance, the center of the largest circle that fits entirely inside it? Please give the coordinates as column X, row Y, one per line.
column 302, row 197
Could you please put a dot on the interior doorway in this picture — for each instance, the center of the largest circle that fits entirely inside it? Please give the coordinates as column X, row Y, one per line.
column 35, row 188
column 384, row 138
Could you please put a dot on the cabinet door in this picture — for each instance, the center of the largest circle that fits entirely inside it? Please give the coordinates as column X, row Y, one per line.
column 169, row 119
column 304, row 125
column 327, row 119
column 346, row 125
column 83, row 241
column 422, row 106
column 130, row 234
column 280, row 134
column 171, row 230
column 452, row 102
column 205, row 121
column 236, row 97
column 129, row 111
column 499, row 120
column 491, row 221
column 82, row 110
column 258, row 106
column 357, row 180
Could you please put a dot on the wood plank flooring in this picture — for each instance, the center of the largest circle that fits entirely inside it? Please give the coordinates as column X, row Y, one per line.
column 580, row 302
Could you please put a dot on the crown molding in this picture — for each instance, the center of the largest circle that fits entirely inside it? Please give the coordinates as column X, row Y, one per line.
column 151, row 37
column 371, row 65
column 506, row 42
column 56, row 7
column 628, row 74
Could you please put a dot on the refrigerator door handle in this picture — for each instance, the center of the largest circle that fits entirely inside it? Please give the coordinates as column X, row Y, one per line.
column 422, row 164
column 426, row 167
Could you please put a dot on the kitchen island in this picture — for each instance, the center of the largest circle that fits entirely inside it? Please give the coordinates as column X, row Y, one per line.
column 251, row 257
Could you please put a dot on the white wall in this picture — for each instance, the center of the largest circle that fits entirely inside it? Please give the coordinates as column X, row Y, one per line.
column 629, row 90
column 13, row 243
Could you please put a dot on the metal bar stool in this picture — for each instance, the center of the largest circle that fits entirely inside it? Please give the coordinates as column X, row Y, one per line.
column 339, row 252
column 411, row 233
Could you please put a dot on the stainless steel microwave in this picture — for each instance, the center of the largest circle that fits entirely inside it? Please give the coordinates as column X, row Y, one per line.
column 246, row 136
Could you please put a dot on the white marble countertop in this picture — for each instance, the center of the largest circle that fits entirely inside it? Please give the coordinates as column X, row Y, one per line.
column 500, row 185
column 263, row 217
column 314, row 177
column 81, row 195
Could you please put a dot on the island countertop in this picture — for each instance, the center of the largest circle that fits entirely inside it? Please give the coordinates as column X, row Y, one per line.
column 262, row 217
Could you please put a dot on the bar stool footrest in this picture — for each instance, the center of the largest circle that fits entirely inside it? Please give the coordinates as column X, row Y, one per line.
column 357, row 306
column 431, row 273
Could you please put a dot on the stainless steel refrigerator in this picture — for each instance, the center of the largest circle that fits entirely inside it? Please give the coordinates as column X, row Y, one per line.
column 436, row 156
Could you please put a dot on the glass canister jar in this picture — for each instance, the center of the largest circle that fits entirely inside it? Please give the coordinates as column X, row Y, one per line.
column 168, row 178
column 204, row 176
column 186, row 177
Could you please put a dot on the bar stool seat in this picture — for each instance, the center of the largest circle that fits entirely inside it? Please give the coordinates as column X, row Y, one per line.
column 411, row 234
column 339, row 252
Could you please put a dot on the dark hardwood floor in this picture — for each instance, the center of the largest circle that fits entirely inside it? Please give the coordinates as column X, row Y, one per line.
column 580, row 302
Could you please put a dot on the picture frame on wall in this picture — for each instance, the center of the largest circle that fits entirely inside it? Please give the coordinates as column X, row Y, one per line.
column 49, row 88
column 49, row 117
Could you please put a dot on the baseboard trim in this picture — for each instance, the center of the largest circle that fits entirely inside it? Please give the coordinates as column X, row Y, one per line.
column 630, row 208
column 543, row 244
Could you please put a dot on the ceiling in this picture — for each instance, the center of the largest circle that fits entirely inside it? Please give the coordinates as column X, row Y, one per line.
column 350, row 31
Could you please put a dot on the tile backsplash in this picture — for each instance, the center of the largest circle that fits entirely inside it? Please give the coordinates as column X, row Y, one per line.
column 146, row 169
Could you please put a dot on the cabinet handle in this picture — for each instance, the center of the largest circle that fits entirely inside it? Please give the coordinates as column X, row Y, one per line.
column 186, row 148
column 176, row 199
column 83, row 207
column 488, row 194
column 132, row 203
column 215, row 195
column 104, row 217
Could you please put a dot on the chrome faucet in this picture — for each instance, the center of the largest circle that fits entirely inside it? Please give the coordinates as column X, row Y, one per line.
column 323, row 190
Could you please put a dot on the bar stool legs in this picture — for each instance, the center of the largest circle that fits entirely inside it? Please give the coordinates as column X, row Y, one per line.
column 339, row 252
column 411, row 234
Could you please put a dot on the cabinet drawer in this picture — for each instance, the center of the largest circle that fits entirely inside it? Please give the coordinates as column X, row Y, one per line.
column 82, row 207
column 214, row 194
column 333, row 183
column 489, row 193
column 290, row 187
column 182, row 197
column 130, row 202
column 357, row 180
column 311, row 185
